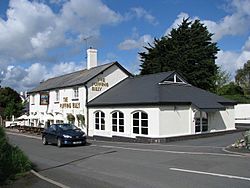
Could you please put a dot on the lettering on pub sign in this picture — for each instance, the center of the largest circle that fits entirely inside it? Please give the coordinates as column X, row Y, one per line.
column 97, row 86
column 66, row 104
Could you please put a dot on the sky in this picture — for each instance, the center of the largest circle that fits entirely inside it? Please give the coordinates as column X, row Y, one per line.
column 41, row 39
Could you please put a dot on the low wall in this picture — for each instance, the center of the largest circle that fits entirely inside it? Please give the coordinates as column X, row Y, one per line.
column 242, row 114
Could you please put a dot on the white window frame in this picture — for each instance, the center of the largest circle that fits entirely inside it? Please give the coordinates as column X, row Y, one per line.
column 175, row 77
column 32, row 99
column 140, row 126
column 203, row 117
column 57, row 95
column 99, row 120
column 76, row 92
column 119, row 126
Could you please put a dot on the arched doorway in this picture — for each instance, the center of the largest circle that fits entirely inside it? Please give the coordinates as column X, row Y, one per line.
column 201, row 121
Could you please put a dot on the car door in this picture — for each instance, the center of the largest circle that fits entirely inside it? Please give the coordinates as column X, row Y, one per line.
column 51, row 134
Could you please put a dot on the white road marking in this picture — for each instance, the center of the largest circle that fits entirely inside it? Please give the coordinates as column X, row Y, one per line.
column 28, row 136
column 169, row 151
column 159, row 144
column 148, row 150
column 50, row 180
column 211, row 174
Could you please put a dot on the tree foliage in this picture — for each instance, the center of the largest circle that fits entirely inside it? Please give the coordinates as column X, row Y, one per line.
column 222, row 79
column 231, row 89
column 11, row 102
column 189, row 50
column 242, row 78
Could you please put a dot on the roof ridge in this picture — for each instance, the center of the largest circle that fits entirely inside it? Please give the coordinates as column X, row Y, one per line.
column 78, row 71
column 153, row 74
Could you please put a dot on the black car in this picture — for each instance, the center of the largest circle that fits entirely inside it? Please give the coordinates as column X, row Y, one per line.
column 63, row 134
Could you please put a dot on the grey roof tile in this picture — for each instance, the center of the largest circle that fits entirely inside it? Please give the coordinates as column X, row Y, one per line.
column 147, row 90
column 72, row 79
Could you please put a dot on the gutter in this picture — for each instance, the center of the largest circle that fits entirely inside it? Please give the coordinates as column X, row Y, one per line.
column 87, row 108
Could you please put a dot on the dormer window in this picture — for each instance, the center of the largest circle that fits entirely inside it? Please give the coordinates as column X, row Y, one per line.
column 174, row 78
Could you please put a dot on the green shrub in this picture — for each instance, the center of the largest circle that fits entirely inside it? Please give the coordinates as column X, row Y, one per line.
column 71, row 118
column 247, row 139
column 12, row 160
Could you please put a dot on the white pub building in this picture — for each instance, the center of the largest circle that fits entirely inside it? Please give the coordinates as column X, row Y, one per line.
column 108, row 101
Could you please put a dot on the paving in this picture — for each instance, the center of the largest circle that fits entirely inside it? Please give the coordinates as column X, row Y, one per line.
column 30, row 181
column 192, row 163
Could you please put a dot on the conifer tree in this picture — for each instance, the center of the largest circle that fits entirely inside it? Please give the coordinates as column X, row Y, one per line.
column 189, row 50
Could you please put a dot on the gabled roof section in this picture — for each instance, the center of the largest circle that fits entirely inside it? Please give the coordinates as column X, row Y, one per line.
column 149, row 89
column 174, row 77
column 75, row 78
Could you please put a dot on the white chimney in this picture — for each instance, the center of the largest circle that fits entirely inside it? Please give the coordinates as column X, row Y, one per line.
column 91, row 58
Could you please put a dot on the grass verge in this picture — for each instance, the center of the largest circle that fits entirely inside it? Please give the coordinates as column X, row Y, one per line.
column 13, row 162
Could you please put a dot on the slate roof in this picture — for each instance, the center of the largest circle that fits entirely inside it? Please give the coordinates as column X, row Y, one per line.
column 146, row 89
column 73, row 79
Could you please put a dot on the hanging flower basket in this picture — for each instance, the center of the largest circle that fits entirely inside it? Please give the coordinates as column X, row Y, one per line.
column 71, row 118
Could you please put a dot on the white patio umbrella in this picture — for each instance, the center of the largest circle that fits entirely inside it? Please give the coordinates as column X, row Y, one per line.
column 23, row 117
column 59, row 116
column 47, row 117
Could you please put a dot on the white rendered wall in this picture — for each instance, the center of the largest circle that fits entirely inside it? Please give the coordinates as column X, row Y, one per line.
column 163, row 121
column 153, row 121
column 242, row 113
column 175, row 121
column 112, row 76
column 54, row 105
column 221, row 120
column 36, row 107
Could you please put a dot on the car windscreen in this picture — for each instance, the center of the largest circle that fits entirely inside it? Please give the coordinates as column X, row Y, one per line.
column 66, row 127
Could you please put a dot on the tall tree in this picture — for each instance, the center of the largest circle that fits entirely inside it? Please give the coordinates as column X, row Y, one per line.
column 189, row 50
column 11, row 102
column 242, row 77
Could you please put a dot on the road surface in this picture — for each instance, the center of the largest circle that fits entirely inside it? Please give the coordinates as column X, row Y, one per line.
column 191, row 163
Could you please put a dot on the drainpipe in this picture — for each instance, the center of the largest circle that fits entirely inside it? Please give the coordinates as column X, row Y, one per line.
column 86, row 102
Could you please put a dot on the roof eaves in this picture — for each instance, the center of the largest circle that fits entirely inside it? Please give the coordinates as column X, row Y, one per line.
column 137, row 104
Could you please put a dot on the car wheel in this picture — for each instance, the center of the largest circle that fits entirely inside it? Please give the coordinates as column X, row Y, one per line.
column 59, row 142
column 45, row 142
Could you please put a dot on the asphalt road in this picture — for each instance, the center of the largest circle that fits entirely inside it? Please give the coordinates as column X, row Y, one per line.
column 192, row 163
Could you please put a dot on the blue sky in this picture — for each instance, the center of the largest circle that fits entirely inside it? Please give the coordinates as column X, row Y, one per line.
column 44, row 38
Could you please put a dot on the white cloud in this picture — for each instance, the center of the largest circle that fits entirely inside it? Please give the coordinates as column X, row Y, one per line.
column 232, row 61
column 24, row 79
column 177, row 22
column 237, row 23
column 32, row 29
column 140, row 42
column 140, row 12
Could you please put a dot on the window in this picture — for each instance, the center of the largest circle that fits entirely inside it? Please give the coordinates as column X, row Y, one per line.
column 76, row 92
column 99, row 120
column 118, row 122
column 32, row 99
column 140, row 123
column 57, row 95
column 201, row 121
column 174, row 79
